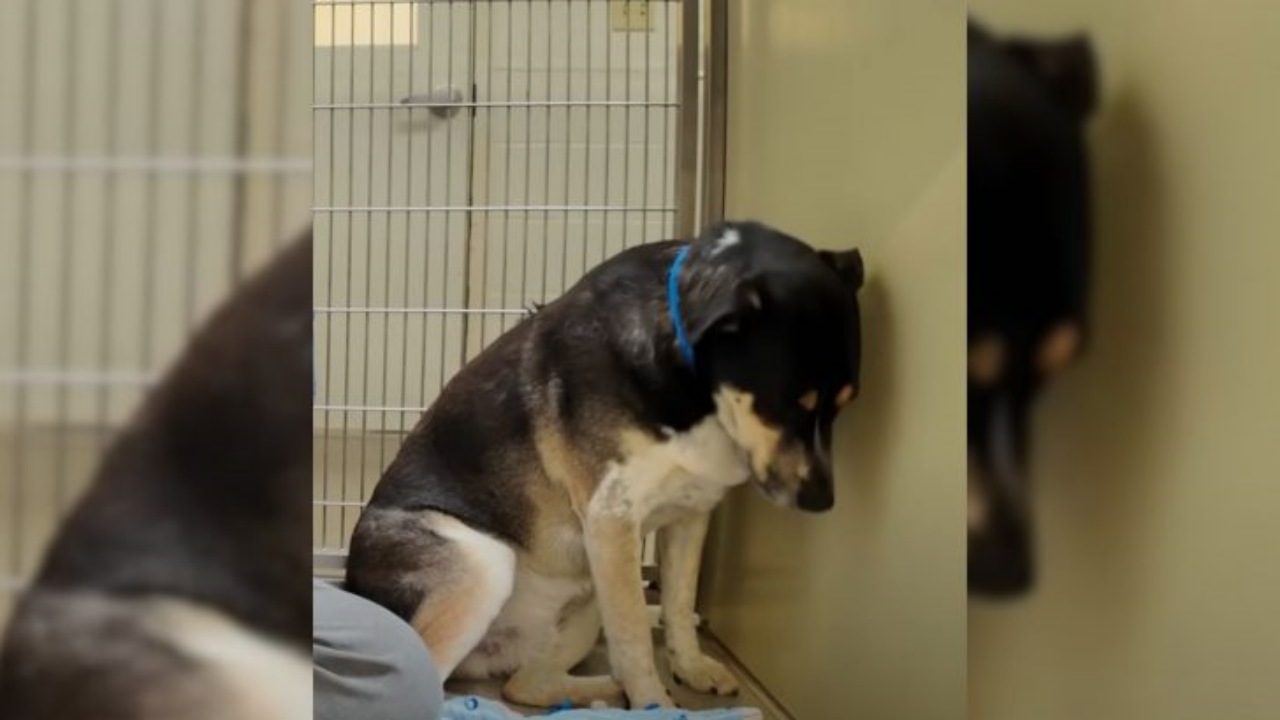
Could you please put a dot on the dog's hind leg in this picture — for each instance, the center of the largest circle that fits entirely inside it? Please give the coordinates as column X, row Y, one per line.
column 545, row 681
column 445, row 578
column 461, row 604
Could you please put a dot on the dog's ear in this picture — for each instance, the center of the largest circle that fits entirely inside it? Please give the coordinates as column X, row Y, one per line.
column 727, row 307
column 847, row 264
column 1068, row 68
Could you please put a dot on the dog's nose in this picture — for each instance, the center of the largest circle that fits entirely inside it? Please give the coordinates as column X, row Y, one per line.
column 816, row 494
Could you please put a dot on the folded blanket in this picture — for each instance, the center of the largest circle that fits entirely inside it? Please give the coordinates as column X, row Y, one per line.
column 477, row 708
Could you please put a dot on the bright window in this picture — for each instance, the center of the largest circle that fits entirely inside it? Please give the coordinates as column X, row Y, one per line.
column 353, row 23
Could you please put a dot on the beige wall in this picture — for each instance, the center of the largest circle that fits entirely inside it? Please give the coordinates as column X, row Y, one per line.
column 846, row 128
column 1156, row 458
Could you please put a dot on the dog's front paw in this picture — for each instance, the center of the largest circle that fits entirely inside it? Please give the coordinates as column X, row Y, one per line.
column 652, row 694
column 703, row 674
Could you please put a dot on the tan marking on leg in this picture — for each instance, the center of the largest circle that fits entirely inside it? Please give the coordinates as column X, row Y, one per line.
column 446, row 621
column 457, row 613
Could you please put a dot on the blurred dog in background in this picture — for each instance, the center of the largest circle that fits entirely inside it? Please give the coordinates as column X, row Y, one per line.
column 1029, row 235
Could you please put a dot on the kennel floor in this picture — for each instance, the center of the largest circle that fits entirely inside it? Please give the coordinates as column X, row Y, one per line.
column 750, row 694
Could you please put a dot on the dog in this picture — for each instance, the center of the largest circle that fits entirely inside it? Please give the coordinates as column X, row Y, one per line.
column 179, row 586
column 1029, row 235
column 507, row 530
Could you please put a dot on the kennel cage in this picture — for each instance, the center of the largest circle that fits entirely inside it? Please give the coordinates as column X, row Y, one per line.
column 473, row 158
column 152, row 153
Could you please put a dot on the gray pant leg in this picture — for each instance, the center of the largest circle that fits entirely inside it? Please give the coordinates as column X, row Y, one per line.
column 369, row 664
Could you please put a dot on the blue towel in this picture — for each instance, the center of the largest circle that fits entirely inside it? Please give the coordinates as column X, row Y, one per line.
column 477, row 708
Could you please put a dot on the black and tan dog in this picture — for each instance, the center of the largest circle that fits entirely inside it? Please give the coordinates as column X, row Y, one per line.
column 508, row 528
column 1029, row 231
column 179, row 587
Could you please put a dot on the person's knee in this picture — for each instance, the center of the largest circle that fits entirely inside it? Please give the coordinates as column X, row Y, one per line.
column 369, row 663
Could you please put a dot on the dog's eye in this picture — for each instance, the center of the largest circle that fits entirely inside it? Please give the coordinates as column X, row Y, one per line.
column 809, row 400
column 847, row 393
column 986, row 359
column 1058, row 348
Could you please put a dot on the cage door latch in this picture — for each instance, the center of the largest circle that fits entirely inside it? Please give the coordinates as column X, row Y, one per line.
column 443, row 102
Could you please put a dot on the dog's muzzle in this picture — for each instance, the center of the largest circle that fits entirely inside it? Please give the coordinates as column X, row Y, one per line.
column 799, row 474
column 817, row 491
column 816, row 495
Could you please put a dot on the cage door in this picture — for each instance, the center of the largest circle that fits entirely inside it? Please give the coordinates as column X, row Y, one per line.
column 392, row 164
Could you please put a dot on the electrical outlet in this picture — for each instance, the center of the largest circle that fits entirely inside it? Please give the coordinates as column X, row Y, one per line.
column 631, row 15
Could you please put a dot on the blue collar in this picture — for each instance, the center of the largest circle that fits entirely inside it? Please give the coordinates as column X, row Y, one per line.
column 673, row 305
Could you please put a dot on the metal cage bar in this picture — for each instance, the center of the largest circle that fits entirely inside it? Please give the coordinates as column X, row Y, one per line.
column 715, row 133
column 688, row 138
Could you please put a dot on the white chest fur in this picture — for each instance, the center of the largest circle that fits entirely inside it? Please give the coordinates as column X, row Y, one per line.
column 684, row 472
